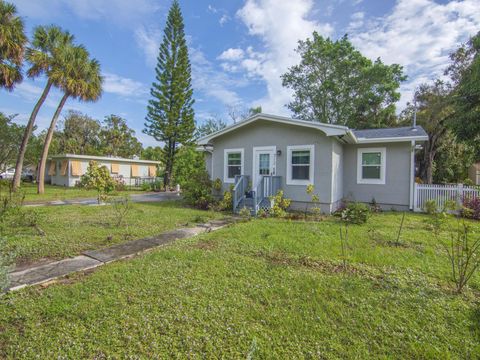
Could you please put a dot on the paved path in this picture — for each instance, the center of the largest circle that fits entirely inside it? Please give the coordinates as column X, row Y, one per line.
column 147, row 197
column 93, row 258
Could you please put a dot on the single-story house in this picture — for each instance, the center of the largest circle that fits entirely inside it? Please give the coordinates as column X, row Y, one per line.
column 266, row 153
column 474, row 173
column 66, row 169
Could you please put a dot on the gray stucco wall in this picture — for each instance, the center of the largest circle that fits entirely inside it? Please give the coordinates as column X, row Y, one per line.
column 395, row 193
column 265, row 133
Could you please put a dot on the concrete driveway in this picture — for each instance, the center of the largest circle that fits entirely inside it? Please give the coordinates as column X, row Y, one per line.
column 147, row 197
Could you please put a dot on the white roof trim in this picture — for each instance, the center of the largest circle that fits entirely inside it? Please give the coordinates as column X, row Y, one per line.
column 104, row 158
column 390, row 139
column 327, row 129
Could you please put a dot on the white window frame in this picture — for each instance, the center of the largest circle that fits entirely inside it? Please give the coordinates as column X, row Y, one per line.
column 310, row 180
column 383, row 165
column 226, row 179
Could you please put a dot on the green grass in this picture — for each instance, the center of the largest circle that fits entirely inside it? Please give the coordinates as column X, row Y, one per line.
column 53, row 192
column 72, row 229
column 268, row 289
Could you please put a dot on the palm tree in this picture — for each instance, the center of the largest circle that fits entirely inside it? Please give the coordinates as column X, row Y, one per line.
column 81, row 79
column 12, row 46
column 46, row 47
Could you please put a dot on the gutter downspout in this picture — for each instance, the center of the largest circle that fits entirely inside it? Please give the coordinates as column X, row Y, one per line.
column 412, row 174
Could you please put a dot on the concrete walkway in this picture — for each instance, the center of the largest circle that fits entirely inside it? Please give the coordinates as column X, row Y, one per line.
column 93, row 258
column 147, row 197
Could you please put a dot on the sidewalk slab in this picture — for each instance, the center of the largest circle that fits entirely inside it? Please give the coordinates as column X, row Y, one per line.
column 50, row 271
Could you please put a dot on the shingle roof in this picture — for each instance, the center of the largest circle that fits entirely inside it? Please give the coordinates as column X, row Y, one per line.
column 406, row 131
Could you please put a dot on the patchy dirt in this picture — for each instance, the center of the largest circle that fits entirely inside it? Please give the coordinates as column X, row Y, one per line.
column 207, row 245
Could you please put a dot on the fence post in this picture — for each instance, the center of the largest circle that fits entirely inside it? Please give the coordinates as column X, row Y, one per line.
column 415, row 195
column 460, row 195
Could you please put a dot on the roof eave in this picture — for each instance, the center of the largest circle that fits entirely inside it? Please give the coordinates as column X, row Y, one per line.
column 390, row 139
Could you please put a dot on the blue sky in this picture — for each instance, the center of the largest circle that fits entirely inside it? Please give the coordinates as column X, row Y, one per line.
column 238, row 49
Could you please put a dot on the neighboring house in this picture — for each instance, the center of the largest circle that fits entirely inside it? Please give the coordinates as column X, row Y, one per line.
column 474, row 173
column 66, row 170
column 266, row 153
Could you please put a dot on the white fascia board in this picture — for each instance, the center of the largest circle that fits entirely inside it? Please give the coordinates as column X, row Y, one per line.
column 390, row 139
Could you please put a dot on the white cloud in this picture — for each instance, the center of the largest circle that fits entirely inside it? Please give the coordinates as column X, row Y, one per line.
column 419, row 35
column 211, row 82
column 279, row 25
column 232, row 54
column 149, row 41
column 126, row 87
column 356, row 21
column 224, row 18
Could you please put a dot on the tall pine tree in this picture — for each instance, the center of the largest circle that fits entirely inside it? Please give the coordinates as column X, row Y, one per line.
column 170, row 117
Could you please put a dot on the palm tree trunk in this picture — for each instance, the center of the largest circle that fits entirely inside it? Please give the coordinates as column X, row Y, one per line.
column 26, row 136
column 46, row 145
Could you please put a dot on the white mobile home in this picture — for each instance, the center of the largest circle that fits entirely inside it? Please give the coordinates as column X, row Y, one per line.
column 66, row 170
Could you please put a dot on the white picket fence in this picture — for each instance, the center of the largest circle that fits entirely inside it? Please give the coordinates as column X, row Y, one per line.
column 441, row 194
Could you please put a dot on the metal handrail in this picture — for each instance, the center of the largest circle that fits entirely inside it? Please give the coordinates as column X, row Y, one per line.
column 238, row 190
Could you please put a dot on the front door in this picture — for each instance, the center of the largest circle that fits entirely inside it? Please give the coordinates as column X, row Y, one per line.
column 263, row 162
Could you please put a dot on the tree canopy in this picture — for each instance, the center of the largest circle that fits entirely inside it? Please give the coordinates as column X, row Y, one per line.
column 334, row 83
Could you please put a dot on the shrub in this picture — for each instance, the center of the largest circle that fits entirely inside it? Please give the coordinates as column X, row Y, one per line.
column 430, row 207
column 197, row 191
column 374, row 207
column 145, row 187
column 217, row 185
column 226, row 204
column 471, row 208
column 156, row 185
column 119, row 184
column 464, row 256
column 98, row 178
column 280, row 204
column 355, row 213
column 245, row 213
column 315, row 200
column 121, row 206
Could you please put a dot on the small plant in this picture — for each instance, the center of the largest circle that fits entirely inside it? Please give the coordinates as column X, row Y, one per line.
column 226, row 204
column 344, row 245
column 217, row 185
column 121, row 206
column 315, row 209
column 355, row 213
column 245, row 213
column 262, row 213
column 156, row 185
column 280, row 204
column 374, row 207
column 464, row 256
column 430, row 207
column 145, row 187
column 98, row 178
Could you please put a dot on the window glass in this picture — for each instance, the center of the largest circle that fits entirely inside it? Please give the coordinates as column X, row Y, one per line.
column 234, row 165
column 301, row 157
column 300, row 165
column 374, row 158
column 264, row 164
column 371, row 172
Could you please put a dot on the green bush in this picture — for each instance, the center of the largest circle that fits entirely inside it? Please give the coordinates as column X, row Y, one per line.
column 226, row 204
column 145, row 187
column 98, row 178
column 197, row 191
column 430, row 207
column 355, row 213
column 280, row 204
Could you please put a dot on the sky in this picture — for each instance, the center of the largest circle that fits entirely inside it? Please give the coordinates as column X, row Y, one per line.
column 238, row 49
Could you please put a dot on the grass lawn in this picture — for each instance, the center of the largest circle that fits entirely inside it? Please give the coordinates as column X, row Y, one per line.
column 53, row 192
column 269, row 289
column 71, row 229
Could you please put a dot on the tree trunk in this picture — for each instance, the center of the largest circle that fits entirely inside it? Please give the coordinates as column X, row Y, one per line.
column 46, row 146
column 26, row 136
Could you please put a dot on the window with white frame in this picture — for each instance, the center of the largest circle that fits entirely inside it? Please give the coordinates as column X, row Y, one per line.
column 371, row 166
column 233, row 164
column 300, row 164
